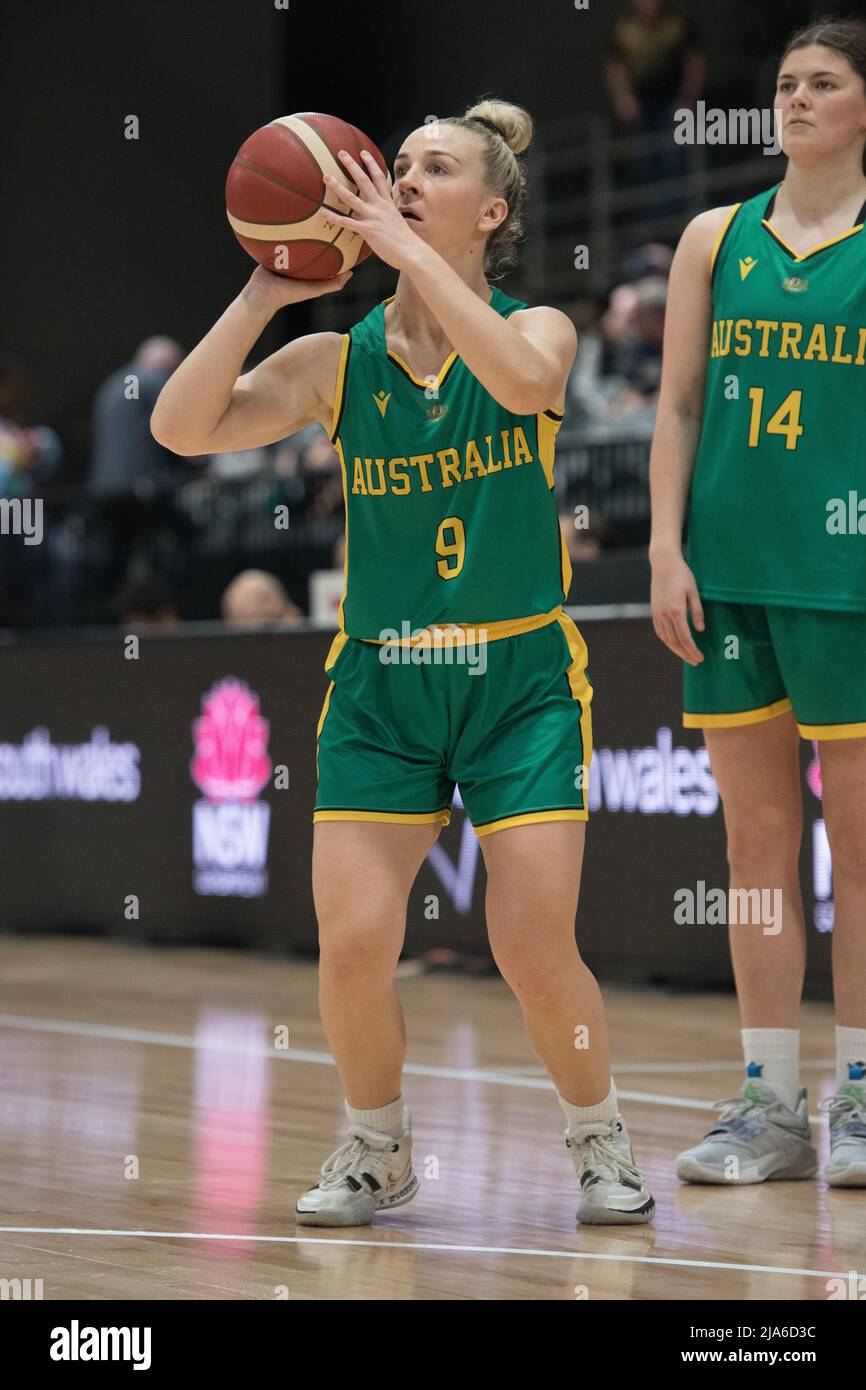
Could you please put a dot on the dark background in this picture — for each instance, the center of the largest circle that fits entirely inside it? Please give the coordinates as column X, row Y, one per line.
column 94, row 223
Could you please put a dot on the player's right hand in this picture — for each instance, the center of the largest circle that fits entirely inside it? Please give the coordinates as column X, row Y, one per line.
column 674, row 595
column 269, row 291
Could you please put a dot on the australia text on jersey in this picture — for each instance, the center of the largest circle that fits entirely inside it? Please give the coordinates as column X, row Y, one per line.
column 785, row 340
column 421, row 472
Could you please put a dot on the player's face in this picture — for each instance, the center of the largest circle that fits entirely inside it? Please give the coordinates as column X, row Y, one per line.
column 439, row 184
column 822, row 103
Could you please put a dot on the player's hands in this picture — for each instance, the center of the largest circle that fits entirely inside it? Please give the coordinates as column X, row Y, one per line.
column 270, row 292
column 674, row 595
column 375, row 213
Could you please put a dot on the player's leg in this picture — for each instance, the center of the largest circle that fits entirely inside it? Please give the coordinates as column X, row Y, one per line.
column 764, row 1132
column 380, row 803
column 363, row 872
column 739, row 696
column 531, row 923
column 522, row 760
column 843, row 778
column 757, row 770
column 532, row 894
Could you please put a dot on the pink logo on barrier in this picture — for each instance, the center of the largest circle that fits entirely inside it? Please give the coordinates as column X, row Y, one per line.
column 813, row 775
column 231, row 760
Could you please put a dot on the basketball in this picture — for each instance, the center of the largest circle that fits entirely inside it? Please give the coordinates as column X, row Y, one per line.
column 276, row 196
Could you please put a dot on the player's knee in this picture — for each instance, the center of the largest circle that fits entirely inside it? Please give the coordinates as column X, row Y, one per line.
column 847, row 848
column 356, row 942
column 533, row 975
column 764, row 840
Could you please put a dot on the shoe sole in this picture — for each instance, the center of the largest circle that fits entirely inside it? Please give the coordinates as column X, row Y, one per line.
column 366, row 1214
column 605, row 1216
column 852, row 1176
column 692, row 1170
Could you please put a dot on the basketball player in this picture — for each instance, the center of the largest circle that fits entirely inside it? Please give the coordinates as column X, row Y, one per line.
column 444, row 403
column 762, row 391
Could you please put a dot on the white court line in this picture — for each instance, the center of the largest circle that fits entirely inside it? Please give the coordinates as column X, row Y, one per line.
column 25, row 1023
column 431, row 1245
column 679, row 1068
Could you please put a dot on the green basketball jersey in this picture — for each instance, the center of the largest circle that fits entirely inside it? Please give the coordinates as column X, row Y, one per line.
column 778, row 498
column 450, row 510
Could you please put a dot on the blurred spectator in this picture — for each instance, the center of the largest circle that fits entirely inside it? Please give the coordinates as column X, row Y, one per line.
column 655, row 66
column 145, row 600
column 591, row 362
column 126, row 458
column 654, row 258
column 322, row 475
column 584, row 543
column 132, row 476
column 28, row 456
column 255, row 598
column 240, row 464
column 618, row 383
column 640, row 357
column 618, row 320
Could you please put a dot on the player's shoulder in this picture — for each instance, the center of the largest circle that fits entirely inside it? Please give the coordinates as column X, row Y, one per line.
column 699, row 245
column 707, row 226
column 544, row 318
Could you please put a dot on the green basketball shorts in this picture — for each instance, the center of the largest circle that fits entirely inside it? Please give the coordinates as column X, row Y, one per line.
column 761, row 660
column 509, row 721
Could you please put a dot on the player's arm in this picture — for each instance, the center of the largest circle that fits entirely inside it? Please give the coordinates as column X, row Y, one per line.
column 679, row 417
column 207, row 407
column 554, row 337
column 523, row 361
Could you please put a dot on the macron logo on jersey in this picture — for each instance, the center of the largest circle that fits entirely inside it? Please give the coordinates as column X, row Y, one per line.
column 746, row 266
column 382, row 401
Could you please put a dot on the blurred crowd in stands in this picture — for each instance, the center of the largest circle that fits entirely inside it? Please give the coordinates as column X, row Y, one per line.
column 128, row 503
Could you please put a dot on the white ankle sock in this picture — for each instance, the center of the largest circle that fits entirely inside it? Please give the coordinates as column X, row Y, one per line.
column 777, row 1052
column 580, row 1114
column 388, row 1119
column 850, row 1047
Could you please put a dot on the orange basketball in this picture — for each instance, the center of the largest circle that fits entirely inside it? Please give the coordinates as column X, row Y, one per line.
column 277, row 202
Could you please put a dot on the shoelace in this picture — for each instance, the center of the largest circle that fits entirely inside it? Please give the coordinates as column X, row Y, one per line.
column 335, row 1169
column 606, row 1158
column 844, row 1108
column 733, row 1106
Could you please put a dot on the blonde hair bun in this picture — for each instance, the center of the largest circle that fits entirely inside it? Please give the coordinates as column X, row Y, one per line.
column 513, row 122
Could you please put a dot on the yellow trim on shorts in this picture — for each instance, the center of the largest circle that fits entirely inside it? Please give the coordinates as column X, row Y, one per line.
column 730, row 721
column 529, row 818
column 335, row 648
column 820, row 731
column 465, row 634
column 442, row 817
column 582, row 691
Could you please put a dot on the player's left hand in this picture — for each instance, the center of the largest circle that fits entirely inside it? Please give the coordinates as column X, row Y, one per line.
column 375, row 215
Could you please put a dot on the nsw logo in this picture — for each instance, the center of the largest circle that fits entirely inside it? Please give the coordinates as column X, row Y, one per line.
column 231, row 767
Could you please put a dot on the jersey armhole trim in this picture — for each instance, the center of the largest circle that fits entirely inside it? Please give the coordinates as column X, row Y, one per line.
column 721, row 237
column 340, row 391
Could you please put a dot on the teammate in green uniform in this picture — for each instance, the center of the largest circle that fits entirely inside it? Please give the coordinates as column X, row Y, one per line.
column 762, row 400
column 443, row 403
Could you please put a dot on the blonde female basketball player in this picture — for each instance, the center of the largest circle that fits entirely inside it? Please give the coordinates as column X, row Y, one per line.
column 775, row 586
column 443, row 403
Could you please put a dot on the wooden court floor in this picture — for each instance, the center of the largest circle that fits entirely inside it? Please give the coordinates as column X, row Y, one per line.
column 160, row 1110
